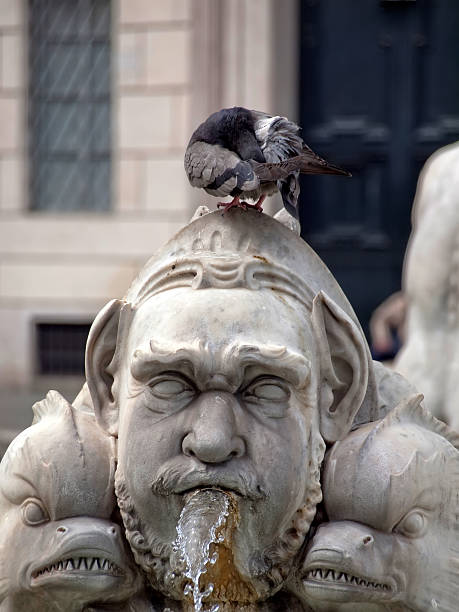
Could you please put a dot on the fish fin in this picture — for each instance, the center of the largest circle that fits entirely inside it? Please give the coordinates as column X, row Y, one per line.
column 54, row 404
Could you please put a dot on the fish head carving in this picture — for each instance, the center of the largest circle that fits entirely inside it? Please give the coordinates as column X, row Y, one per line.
column 58, row 542
column 390, row 492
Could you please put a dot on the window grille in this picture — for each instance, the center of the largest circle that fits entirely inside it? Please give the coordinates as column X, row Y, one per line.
column 69, row 105
column 61, row 348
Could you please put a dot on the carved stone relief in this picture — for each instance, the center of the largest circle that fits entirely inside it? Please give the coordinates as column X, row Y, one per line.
column 187, row 474
column 60, row 548
column 391, row 543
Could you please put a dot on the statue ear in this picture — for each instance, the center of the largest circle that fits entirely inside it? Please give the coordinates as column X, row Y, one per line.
column 343, row 364
column 101, row 364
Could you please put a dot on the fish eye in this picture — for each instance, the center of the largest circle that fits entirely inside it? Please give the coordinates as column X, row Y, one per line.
column 34, row 512
column 413, row 524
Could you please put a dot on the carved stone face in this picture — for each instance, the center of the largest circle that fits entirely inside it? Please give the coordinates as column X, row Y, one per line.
column 392, row 537
column 216, row 390
column 58, row 547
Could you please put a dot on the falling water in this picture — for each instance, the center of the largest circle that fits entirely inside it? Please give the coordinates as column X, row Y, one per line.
column 201, row 524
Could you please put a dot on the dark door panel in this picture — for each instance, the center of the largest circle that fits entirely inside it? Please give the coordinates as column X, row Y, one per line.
column 379, row 94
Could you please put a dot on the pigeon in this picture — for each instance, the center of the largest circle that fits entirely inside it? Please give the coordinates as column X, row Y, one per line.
column 249, row 154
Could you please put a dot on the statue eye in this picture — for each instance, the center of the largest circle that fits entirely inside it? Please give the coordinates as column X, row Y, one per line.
column 413, row 524
column 33, row 512
column 170, row 387
column 271, row 393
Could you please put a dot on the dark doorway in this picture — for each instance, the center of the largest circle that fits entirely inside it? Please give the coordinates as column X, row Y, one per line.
column 379, row 94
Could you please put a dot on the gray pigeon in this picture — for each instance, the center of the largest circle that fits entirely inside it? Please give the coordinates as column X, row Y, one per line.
column 249, row 154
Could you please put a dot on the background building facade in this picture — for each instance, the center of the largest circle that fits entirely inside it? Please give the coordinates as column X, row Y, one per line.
column 98, row 99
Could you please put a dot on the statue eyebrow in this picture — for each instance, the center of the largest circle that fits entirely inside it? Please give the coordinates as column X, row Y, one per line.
column 280, row 360
column 199, row 362
column 163, row 358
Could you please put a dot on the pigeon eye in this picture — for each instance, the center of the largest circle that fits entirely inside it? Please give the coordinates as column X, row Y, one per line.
column 413, row 525
column 33, row 512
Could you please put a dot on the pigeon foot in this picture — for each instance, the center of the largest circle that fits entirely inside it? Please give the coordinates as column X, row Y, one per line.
column 235, row 203
column 258, row 205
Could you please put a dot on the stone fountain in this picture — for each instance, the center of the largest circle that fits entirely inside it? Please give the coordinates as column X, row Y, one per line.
column 235, row 448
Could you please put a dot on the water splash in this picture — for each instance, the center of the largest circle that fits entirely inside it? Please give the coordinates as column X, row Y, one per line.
column 200, row 525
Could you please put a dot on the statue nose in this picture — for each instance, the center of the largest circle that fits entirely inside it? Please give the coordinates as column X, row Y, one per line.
column 213, row 437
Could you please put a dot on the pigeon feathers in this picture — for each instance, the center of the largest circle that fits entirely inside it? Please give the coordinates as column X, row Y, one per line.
column 249, row 155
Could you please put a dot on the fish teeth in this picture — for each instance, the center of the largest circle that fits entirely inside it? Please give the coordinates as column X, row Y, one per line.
column 332, row 575
column 95, row 564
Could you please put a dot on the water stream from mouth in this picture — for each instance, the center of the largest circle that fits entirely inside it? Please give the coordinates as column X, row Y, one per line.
column 200, row 525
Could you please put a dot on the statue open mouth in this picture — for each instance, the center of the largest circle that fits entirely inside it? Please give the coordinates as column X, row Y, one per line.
column 187, row 493
column 77, row 564
column 180, row 480
column 327, row 579
column 231, row 486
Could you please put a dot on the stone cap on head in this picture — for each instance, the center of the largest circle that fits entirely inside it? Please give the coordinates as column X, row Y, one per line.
column 238, row 249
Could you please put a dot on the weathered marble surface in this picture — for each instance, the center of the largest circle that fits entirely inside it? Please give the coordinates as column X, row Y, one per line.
column 231, row 364
column 60, row 549
column 430, row 355
column 222, row 372
column 391, row 543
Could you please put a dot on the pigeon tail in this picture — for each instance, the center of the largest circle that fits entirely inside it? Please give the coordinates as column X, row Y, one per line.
column 309, row 166
column 306, row 164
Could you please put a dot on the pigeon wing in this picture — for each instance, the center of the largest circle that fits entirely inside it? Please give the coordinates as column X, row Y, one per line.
column 218, row 170
column 278, row 137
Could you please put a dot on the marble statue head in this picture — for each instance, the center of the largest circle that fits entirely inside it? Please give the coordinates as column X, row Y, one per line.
column 59, row 548
column 232, row 358
column 391, row 496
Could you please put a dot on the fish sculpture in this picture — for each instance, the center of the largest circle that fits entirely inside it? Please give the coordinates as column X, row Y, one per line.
column 391, row 493
column 60, row 549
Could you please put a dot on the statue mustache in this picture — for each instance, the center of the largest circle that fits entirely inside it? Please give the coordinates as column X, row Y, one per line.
column 173, row 477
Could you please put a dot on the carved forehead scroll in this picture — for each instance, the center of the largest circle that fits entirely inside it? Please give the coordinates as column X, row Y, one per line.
column 225, row 272
column 222, row 262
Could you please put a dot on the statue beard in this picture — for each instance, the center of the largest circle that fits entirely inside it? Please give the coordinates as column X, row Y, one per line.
column 271, row 567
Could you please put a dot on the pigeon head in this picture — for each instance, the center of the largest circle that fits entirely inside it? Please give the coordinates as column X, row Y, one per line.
column 232, row 129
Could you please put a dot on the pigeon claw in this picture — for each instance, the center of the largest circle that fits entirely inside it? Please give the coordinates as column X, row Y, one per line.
column 258, row 205
column 235, row 203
